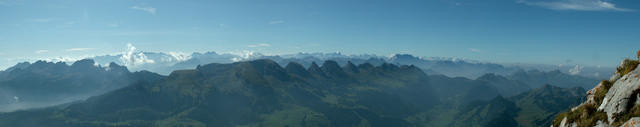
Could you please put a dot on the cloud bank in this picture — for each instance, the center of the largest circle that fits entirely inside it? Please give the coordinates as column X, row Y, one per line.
column 578, row 5
column 131, row 58
column 576, row 70
column 276, row 22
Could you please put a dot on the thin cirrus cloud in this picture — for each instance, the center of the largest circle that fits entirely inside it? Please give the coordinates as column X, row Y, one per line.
column 78, row 49
column 578, row 5
column 474, row 50
column 41, row 51
column 259, row 45
column 146, row 9
column 276, row 22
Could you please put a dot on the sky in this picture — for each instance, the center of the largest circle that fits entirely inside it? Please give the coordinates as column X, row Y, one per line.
column 587, row 32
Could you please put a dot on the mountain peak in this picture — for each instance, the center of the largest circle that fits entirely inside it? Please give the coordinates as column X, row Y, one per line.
column 491, row 77
column 297, row 69
column 21, row 65
column 388, row 67
column 84, row 63
column 403, row 56
column 315, row 69
column 332, row 68
column 365, row 66
column 350, row 67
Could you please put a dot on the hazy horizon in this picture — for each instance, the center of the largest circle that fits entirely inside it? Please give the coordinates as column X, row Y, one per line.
column 550, row 32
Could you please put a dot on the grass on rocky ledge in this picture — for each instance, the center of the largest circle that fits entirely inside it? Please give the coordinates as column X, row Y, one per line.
column 586, row 115
column 634, row 112
column 599, row 95
column 629, row 66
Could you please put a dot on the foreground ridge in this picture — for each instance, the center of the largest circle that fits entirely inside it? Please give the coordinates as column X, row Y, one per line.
column 614, row 102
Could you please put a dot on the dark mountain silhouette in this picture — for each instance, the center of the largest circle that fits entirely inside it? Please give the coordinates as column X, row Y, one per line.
column 263, row 93
column 534, row 108
column 253, row 93
column 44, row 84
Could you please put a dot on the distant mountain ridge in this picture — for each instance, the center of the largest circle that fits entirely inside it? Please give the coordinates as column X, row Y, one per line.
column 253, row 93
column 42, row 84
column 534, row 108
column 166, row 62
column 264, row 93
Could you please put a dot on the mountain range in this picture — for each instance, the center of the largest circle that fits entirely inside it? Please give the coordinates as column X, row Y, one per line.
column 41, row 84
column 165, row 62
column 264, row 93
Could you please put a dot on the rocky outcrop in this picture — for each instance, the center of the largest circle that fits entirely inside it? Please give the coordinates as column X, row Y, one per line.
column 621, row 95
column 613, row 102
column 633, row 122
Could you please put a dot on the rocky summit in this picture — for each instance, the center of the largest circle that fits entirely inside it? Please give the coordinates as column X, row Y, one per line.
column 612, row 103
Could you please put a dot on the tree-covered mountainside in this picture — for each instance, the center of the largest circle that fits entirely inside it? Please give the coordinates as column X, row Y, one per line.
column 536, row 79
column 264, row 93
column 44, row 84
column 254, row 93
column 535, row 108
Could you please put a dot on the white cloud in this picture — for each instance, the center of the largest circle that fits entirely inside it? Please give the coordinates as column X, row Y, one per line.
column 177, row 56
column 65, row 59
column 576, row 70
column 78, row 49
column 259, row 45
column 147, row 9
column 41, row 51
column 245, row 55
column 131, row 58
column 474, row 50
column 579, row 5
column 276, row 22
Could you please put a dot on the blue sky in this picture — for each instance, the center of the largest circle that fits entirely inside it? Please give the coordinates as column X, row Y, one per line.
column 588, row 32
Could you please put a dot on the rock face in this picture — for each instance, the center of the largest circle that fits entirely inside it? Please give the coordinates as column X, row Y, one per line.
column 622, row 95
column 633, row 122
column 617, row 101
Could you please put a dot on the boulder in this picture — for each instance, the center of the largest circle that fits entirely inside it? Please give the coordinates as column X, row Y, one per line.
column 564, row 123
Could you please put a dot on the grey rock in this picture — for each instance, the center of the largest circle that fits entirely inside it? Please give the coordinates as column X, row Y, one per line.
column 564, row 123
column 601, row 124
column 617, row 99
column 633, row 122
column 591, row 94
column 615, row 77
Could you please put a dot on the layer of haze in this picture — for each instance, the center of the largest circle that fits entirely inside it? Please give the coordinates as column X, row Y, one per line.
column 503, row 31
